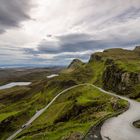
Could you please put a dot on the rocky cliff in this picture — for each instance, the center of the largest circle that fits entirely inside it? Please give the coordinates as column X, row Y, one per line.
column 121, row 72
column 120, row 81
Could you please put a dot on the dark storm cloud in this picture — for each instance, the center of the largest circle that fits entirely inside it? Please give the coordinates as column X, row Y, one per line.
column 68, row 43
column 69, row 47
column 12, row 12
column 79, row 43
column 72, row 38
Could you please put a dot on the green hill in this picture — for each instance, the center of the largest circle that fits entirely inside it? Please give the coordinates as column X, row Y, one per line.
column 72, row 114
column 115, row 69
column 75, row 64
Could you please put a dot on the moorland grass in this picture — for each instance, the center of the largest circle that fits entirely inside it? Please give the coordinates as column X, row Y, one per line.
column 74, row 111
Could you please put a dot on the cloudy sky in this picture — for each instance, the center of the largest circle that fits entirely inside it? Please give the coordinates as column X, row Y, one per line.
column 53, row 32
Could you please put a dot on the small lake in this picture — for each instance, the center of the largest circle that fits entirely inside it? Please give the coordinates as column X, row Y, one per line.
column 13, row 84
column 51, row 76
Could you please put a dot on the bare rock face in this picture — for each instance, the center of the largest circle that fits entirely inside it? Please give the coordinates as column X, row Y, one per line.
column 130, row 78
column 119, row 80
column 95, row 57
column 109, row 61
column 137, row 48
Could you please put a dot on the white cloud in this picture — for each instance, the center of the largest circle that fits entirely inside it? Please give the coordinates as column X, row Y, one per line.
column 74, row 22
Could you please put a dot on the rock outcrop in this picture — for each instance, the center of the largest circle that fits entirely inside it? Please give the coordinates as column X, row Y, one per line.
column 115, row 77
column 76, row 63
column 95, row 57
column 120, row 81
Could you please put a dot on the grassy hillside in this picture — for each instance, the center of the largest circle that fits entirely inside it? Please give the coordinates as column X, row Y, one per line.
column 116, row 69
column 19, row 104
column 128, row 60
column 73, row 113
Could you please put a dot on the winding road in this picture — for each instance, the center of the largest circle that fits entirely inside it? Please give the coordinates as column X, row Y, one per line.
column 117, row 128
column 39, row 113
column 121, row 127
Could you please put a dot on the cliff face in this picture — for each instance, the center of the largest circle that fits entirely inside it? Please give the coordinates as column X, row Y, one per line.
column 137, row 49
column 121, row 81
column 95, row 57
column 121, row 72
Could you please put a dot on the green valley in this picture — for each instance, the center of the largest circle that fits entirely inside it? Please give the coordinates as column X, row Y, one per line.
column 73, row 113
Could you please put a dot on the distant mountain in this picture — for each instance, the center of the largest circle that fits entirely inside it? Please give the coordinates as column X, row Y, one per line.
column 76, row 63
